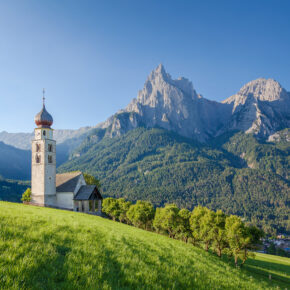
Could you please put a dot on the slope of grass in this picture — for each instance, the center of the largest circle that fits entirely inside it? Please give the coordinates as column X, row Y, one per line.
column 43, row 248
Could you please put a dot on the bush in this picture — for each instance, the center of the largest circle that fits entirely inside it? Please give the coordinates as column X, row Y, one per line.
column 26, row 196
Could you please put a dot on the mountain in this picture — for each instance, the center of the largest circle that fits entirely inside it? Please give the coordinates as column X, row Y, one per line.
column 12, row 190
column 15, row 154
column 261, row 107
column 23, row 140
column 14, row 162
column 173, row 105
column 164, row 167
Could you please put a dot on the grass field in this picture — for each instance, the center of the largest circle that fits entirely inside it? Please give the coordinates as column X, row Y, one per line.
column 43, row 248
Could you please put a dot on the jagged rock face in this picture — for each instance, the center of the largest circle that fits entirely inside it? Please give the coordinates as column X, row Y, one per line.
column 261, row 107
column 174, row 105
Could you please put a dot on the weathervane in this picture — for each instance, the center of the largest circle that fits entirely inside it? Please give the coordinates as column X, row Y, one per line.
column 43, row 96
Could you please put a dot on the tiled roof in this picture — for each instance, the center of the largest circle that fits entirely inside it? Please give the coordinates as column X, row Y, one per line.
column 67, row 182
column 87, row 192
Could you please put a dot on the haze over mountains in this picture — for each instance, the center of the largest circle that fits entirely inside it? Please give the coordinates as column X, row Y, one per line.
column 261, row 107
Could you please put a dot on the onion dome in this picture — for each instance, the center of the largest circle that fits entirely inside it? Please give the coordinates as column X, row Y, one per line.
column 43, row 119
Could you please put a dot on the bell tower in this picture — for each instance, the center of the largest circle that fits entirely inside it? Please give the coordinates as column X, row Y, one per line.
column 43, row 165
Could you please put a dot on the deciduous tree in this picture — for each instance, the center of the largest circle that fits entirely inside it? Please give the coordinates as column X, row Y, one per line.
column 184, row 226
column 167, row 220
column 195, row 222
column 141, row 214
column 124, row 207
column 218, row 232
column 111, row 207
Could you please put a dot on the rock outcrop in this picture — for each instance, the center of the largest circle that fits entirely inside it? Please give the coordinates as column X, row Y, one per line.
column 261, row 107
column 173, row 105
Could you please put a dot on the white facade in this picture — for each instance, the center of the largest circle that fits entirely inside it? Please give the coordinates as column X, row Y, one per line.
column 65, row 200
column 43, row 168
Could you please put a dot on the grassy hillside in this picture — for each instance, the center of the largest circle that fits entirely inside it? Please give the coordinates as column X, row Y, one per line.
column 160, row 166
column 52, row 249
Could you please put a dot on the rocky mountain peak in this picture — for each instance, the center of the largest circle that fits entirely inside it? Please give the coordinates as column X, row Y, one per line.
column 160, row 88
column 261, row 89
column 260, row 107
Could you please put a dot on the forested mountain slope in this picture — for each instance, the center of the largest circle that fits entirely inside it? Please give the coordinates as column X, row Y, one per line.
column 12, row 189
column 161, row 166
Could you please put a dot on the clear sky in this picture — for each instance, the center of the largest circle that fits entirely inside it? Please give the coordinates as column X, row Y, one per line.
column 93, row 56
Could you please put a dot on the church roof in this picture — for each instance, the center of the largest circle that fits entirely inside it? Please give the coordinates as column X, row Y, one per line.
column 86, row 192
column 67, row 182
column 43, row 119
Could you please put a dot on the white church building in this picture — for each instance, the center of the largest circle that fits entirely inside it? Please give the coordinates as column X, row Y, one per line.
column 64, row 191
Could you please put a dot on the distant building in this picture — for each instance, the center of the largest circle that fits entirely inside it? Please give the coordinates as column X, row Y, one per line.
column 66, row 190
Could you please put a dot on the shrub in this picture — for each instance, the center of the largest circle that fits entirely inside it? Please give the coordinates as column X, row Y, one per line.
column 26, row 196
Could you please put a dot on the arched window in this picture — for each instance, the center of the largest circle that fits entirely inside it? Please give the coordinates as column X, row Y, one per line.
column 37, row 147
column 49, row 147
column 44, row 132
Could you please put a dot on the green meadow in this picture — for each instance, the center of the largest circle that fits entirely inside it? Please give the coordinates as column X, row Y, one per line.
column 42, row 248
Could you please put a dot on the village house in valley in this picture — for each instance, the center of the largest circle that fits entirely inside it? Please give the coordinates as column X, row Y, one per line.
column 65, row 190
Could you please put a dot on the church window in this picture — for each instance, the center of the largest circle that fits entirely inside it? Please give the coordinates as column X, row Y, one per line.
column 37, row 158
column 37, row 147
column 44, row 133
column 49, row 147
column 49, row 159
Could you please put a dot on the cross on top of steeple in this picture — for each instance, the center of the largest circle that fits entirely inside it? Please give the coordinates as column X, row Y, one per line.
column 43, row 96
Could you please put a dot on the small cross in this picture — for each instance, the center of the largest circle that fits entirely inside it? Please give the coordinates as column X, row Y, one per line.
column 43, row 97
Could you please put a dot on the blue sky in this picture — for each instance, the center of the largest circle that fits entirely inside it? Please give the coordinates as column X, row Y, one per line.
column 93, row 56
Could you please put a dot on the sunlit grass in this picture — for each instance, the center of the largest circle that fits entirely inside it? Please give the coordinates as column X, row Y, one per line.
column 54, row 249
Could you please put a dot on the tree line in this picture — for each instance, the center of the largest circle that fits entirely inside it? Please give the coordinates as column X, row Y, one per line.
column 223, row 234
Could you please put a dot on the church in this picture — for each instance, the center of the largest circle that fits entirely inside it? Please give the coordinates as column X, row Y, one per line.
column 66, row 190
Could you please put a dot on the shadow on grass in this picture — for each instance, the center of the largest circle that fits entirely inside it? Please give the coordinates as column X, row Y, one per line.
column 47, row 269
column 262, row 269
column 68, row 265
